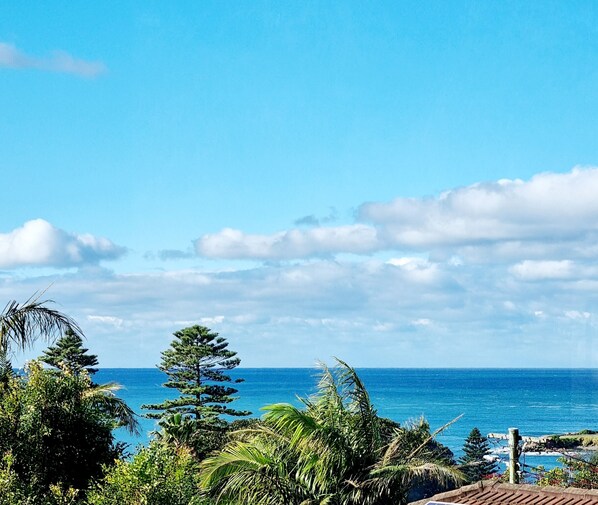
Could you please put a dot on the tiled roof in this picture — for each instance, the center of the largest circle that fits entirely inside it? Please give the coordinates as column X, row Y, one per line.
column 495, row 493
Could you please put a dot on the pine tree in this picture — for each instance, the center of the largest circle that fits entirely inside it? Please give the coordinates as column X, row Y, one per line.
column 196, row 364
column 473, row 464
column 70, row 353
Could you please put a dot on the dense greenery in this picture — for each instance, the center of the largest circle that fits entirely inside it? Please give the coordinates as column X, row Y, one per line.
column 474, row 463
column 156, row 475
column 336, row 450
column 56, row 428
column 69, row 353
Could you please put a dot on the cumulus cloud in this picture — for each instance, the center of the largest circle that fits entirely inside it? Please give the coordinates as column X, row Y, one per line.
column 439, row 298
column 59, row 61
column 548, row 206
column 549, row 217
column 234, row 244
column 39, row 243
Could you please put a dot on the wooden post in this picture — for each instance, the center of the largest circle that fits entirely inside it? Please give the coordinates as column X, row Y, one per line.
column 513, row 456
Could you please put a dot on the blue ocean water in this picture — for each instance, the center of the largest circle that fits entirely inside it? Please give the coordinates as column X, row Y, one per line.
column 537, row 401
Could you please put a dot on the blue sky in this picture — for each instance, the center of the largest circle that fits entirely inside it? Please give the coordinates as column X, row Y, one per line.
column 396, row 184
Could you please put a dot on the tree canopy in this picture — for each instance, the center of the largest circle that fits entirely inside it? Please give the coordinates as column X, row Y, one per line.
column 474, row 463
column 57, row 428
column 68, row 352
column 196, row 364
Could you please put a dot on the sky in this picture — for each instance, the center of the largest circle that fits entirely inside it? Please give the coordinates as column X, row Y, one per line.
column 398, row 184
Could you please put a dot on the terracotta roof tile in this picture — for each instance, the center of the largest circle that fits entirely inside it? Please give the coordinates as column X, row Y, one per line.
column 495, row 493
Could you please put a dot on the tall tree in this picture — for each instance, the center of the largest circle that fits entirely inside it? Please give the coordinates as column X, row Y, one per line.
column 474, row 463
column 196, row 364
column 69, row 353
column 336, row 450
column 23, row 323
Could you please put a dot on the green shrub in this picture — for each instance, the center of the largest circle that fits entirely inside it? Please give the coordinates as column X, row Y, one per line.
column 157, row 475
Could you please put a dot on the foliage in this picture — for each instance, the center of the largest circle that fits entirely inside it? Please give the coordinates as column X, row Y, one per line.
column 335, row 450
column 6, row 371
column 69, row 353
column 560, row 442
column 196, row 364
column 57, row 429
column 23, row 323
column 12, row 489
column 581, row 473
column 156, row 475
column 474, row 464
column 557, row 477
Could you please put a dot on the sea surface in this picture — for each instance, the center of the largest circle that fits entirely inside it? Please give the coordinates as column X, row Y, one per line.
column 537, row 401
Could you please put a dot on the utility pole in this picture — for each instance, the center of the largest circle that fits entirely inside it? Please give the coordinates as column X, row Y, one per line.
column 514, row 456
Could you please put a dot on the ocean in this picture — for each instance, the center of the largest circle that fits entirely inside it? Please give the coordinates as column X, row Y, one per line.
column 537, row 401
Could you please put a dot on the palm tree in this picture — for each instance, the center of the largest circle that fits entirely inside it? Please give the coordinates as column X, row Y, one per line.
column 176, row 430
column 334, row 451
column 103, row 397
column 21, row 324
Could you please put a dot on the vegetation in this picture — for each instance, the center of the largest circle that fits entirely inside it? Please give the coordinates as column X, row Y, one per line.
column 585, row 438
column 336, row 450
column 69, row 353
column 474, row 463
column 56, row 430
column 57, row 445
column 157, row 475
column 21, row 324
column 575, row 472
column 196, row 364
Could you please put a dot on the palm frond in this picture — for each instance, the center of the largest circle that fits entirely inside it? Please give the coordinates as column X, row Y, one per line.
column 251, row 473
column 296, row 424
column 103, row 396
column 23, row 323
column 432, row 436
column 360, row 405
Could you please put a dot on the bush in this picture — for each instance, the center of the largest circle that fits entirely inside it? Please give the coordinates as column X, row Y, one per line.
column 157, row 475
column 55, row 434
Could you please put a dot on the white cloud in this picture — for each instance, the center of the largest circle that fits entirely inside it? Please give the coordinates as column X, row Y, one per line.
column 422, row 321
column 577, row 315
column 109, row 320
column 211, row 320
column 550, row 217
column 490, row 299
column 59, row 61
column 370, row 313
column 506, row 210
column 541, row 270
column 234, row 244
column 38, row 243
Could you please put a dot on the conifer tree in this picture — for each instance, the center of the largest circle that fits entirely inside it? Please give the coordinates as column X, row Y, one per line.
column 70, row 353
column 473, row 464
column 196, row 364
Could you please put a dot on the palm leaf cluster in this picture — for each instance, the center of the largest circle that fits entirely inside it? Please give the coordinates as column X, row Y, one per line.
column 336, row 450
column 21, row 324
